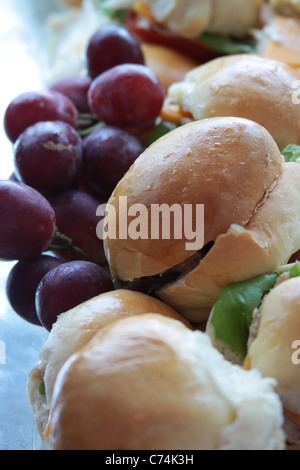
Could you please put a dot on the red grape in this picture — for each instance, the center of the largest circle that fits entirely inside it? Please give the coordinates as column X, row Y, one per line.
column 67, row 286
column 34, row 106
column 27, row 221
column 76, row 218
column 108, row 152
column 127, row 95
column 76, row 89
column 23, row 281
column 48, row 155
column 110, row 46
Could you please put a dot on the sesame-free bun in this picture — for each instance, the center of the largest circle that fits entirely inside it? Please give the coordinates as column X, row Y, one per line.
column 73, row 330
column 148, row 382
column 274, row 350
column 191, row 18
column 247, row 86
column 251, row 203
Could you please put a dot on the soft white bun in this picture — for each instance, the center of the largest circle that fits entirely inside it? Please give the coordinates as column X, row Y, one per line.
column 73, row 330
column 246, row 86
column 272, row 350
column 191, row 18
column 251, row 203
column 148, row 382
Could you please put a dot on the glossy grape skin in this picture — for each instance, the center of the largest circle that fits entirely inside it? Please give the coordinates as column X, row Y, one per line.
column 27, row 221
column 76, row 89
column 23, row 281
column 47, row 156
column 128, row 95
column 35, row 106
column 108, row 153
column 75, row 212
column 67, row 286
column 110, row 46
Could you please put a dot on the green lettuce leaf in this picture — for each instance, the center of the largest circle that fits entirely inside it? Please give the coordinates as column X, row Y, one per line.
column 229, row 46
column 117, row 14
column 234, row 307
column 291, row 153
column 295, row 270
column 164, row 127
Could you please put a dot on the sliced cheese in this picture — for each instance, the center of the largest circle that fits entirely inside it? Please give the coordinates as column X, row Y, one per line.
column 283, row 40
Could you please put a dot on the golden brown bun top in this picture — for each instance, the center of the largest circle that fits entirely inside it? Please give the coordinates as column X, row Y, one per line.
column 150, row 383
column 274, row 351
column 247, row 86
column 75, row 328
column 228, row 164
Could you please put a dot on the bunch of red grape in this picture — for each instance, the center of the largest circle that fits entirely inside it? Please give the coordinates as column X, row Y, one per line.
column 72, row 143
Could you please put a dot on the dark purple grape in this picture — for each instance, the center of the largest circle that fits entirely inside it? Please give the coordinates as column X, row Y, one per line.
column 76, row 89
column 110, row 46
column 108, row 152
column 76, row 218
column 23, row 281
column 47, row 156
column 27, row 221
column 67, row 286
column 127, row 95
column 34, row 106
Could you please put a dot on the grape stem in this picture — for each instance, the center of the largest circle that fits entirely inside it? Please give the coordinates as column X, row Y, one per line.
column 89, row 130
column 62, row 242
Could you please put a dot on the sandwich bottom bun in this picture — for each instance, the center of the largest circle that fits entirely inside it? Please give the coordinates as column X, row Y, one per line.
column 275, row 351
column 73, row 330
column 148, row 382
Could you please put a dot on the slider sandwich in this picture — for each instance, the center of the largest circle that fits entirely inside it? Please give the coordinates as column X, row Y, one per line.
column 73, row 330
column 247, row 86
column 251, row 199
column 202, row 29
column 147, row 382
column 257, row 324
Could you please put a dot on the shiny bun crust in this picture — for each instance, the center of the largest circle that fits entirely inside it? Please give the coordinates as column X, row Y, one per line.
column 247, row 86
column 148, row 382
column 251, row 201
column 73, row 330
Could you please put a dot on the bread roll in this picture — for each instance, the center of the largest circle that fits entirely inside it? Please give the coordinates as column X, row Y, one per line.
column 267, row 241
column 148, row 382
column 246, row 86
column 191, row 18
column 251, row 211
column 73, row 330
column 275, row 351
